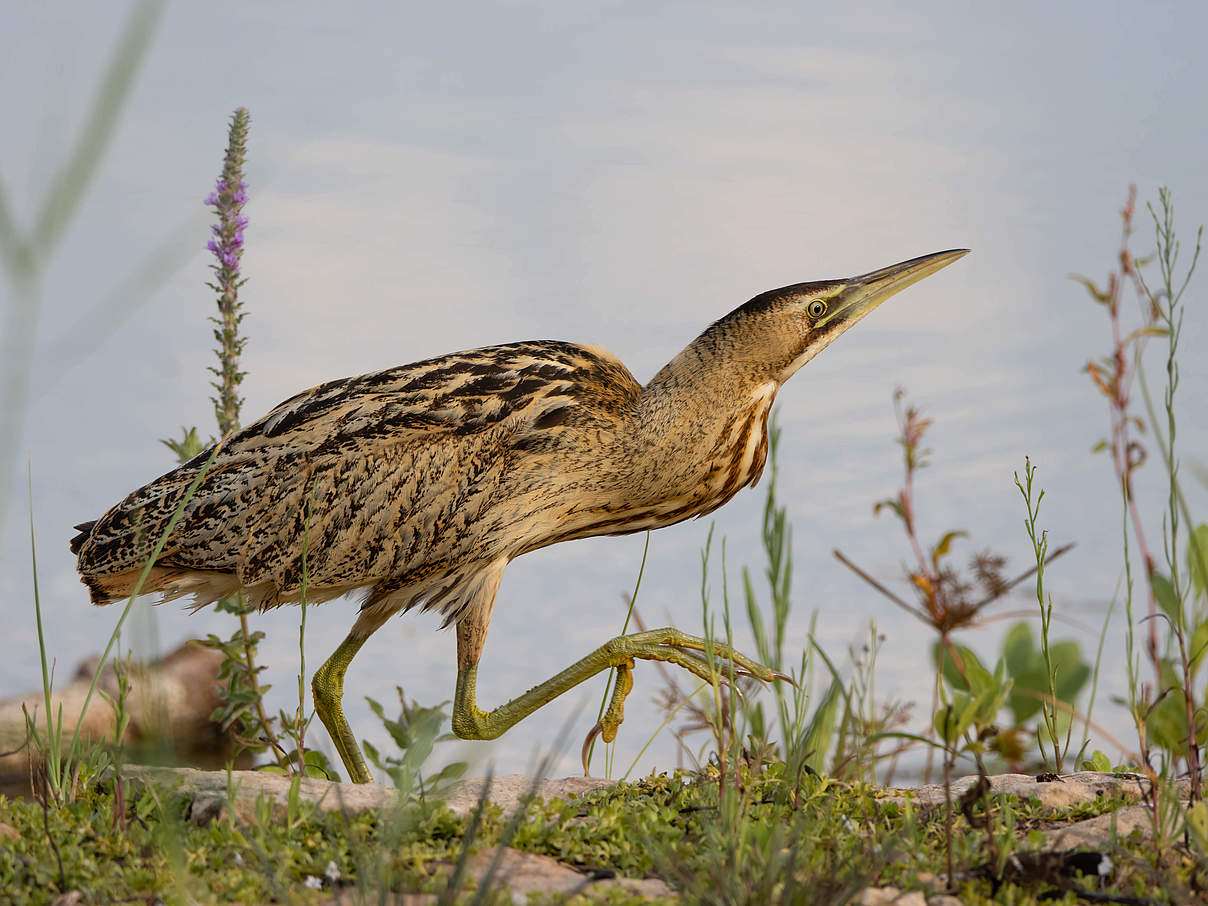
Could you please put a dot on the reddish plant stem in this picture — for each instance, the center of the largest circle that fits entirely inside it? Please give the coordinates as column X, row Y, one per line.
column 1127, row 453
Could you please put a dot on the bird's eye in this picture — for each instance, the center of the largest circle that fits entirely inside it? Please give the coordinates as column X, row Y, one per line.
column 817, row 308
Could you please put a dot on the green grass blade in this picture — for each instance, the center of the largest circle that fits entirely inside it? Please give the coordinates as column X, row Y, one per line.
column 111, row 96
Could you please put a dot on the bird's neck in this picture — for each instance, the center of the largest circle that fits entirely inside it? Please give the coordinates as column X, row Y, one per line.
column 702, row 430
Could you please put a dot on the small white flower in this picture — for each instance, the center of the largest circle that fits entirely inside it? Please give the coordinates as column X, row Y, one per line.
column 238, row 859
column 313, row 882
column 332, row 872
column 1105, row 865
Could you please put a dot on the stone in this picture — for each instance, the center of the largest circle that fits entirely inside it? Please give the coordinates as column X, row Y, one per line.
column 888, row 896
column 209, row 791
column 354, row 897
column 1098, row 832
column 525, row 874
column 508, row 791
column 1070, row 789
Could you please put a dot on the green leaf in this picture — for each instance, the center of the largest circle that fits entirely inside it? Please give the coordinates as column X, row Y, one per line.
column 980, row 679
column 1197, row 558
column 889, row 504
column 976, row 671
column 941, row 548
column 1197, row 828
column 1167, row 598
column 453, row 771
column 993, row 695
column 1098, row 762
column 372, row 755
column 820, row 733
column 1096, row 293
column 375, row 708
column 953, row 719
column 1072, row 673
column 1198, row 647
column 1167, row 723
column 1018, row 648
column 754, row 616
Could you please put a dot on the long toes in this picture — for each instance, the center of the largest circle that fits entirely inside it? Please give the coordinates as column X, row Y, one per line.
column 743, row 665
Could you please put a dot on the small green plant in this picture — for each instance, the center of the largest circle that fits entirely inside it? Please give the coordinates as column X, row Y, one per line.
column 1169, row 713
column 1058, row 694
column 1027, row 668
column 802, row 735
column 947, row 599
column 415, row 731
column 805, row 739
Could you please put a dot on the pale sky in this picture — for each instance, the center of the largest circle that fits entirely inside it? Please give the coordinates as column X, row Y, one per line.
column 429, row 177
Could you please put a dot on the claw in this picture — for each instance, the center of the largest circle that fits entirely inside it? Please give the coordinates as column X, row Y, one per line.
column 591, row 737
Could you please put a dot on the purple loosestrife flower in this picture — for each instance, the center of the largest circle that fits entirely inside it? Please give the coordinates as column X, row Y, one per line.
column 226, row 245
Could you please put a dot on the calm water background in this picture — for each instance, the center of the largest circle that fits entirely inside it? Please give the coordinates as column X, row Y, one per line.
column 425, row 179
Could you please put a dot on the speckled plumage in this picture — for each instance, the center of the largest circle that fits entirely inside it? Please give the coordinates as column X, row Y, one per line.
column 422, row 476
column 420, row 484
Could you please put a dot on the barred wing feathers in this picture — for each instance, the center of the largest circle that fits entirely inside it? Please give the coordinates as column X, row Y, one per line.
column 402, row 471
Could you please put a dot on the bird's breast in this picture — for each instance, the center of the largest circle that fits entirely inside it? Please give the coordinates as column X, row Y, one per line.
column 741, row 450
column 690, row 473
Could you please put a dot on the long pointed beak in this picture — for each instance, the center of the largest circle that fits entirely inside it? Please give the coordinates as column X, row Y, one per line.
column 862, row 294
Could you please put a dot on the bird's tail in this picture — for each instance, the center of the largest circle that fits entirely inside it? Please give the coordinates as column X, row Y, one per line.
column 85, row 532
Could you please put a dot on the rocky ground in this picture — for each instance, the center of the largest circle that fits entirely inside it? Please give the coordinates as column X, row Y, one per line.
column 542, row 877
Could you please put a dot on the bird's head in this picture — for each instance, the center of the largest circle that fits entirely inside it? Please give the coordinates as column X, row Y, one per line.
column 787, row 327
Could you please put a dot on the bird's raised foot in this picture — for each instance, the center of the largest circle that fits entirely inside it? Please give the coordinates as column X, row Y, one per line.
column 717, row 660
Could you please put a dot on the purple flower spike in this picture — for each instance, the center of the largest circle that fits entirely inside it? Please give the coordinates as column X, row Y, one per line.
column 227, row 200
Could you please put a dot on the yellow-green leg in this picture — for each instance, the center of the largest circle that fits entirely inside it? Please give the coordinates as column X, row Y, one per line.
column 667, row 645
column 327, row 685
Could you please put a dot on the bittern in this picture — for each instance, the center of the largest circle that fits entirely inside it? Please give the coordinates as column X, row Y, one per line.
column 419, row 484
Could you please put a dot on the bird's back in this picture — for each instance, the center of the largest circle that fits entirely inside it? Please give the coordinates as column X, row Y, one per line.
column 404, row 479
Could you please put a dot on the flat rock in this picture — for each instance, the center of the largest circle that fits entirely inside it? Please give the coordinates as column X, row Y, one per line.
column 1070, row 789
column 1098, row 832
column 353, row 897
column 210, row 791
column 888, row 896
column 508, row 791
column 525, row 874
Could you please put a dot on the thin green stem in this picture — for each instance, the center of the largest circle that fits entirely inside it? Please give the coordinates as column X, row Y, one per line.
column 612, row 671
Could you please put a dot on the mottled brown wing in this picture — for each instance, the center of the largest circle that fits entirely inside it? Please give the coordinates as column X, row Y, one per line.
column 393, row 467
